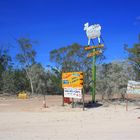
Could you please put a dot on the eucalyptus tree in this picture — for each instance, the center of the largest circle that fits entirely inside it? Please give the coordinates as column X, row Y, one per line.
column 8, row 85
column 134, row 56
column 5, row 59
column 68, row 59
column 55, row 79
column 40, row 78
column 26, row 57
column 21, row 82
column 112, row 78
column 5, row 64
column 74, row 58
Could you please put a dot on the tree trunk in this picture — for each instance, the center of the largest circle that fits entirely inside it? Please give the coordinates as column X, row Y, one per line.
column 31, row 83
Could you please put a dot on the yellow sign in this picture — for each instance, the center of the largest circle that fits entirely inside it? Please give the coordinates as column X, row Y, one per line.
column 22, row 95
column 72, row 79
column 94, row 53
column 94, row 47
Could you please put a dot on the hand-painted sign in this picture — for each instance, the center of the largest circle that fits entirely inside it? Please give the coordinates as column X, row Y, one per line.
column 133, row 87
column 94, row 53
column 73, row 93
column 72, row 79
column 94, row 47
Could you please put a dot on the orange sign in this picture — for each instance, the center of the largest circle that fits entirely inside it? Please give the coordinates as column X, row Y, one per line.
column 72, row 79
column 94, row 47
column 94, row 53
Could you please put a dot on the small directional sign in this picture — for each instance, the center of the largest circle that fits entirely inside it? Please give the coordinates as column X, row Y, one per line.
column 94, row 53
column 94, row 47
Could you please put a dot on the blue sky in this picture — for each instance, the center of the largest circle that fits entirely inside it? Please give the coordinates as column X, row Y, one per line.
column 58, row 23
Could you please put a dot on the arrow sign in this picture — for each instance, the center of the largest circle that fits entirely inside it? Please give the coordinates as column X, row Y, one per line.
column 94, row 47
column 94, row 53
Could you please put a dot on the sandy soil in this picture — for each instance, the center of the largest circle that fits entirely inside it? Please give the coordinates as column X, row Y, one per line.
column 28, row 120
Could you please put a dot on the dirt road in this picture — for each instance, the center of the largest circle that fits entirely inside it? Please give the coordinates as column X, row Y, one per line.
column 27, row 120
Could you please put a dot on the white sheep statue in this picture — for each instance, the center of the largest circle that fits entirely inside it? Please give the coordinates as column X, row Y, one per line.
column 93, row 31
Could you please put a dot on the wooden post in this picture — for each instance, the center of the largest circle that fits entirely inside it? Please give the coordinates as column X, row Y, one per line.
column 126, row 102
column 72, row 102
column 83, row 98
column 63, row 98
column 44, row 101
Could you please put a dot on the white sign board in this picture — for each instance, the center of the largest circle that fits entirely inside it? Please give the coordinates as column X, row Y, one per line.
column 133, row 87
column 73, row 93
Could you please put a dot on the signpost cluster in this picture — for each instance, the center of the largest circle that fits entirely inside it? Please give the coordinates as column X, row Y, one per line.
column 72, row 83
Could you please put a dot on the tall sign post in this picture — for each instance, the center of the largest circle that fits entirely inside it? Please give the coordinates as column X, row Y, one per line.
column 93, row 76
column 94, row 54
column 92, row 32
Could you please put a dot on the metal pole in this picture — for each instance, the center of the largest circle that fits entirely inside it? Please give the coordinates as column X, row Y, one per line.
column 93, row 77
